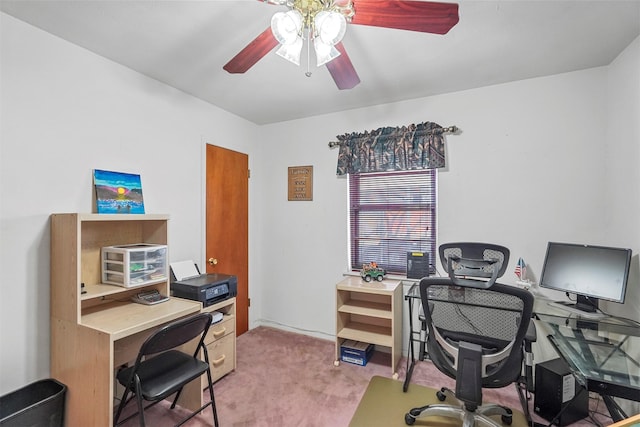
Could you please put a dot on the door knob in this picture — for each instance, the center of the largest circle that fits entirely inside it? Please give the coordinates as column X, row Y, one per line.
column 213, row 261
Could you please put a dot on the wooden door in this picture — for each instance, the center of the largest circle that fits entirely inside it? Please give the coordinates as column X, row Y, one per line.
column 227, row 222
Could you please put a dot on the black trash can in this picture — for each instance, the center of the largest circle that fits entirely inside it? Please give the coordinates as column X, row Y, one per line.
column 40, row 404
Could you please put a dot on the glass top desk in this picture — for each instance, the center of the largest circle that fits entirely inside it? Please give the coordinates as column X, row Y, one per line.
column 602, row 353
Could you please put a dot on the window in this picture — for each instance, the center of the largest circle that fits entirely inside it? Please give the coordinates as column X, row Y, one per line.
column 390, row 214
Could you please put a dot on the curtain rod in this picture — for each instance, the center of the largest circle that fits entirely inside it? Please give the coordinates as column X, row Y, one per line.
column 450, row 129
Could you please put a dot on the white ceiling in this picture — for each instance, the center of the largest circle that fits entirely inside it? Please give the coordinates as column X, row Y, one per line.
column 185, row 44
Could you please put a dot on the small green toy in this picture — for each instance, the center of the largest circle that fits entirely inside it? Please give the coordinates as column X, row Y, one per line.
column 372, row 271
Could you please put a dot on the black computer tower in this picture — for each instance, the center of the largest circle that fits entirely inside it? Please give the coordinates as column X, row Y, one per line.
column 553, row 380
column 417, row 265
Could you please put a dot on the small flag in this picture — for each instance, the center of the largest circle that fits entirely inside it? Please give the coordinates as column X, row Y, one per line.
column 521, row 269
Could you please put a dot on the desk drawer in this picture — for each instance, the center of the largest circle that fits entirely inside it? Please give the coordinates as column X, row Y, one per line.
column 221, row 357
column 221, row 329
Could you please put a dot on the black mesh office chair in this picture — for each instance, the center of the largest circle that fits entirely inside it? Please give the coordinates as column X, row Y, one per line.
column 161, row 369
column 488, row 254
column 476, row 331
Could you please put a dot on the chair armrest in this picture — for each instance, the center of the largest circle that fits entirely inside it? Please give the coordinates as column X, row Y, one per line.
column 531, row 335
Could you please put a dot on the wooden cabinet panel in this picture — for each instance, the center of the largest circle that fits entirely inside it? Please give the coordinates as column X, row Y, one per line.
column 221, row 329
column 221, row 341
column 221, row 357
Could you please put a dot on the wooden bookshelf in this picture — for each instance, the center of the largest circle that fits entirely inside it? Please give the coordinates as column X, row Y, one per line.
column 370, row 312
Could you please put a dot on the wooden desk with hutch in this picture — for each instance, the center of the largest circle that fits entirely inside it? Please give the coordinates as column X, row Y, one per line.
column 94, row 333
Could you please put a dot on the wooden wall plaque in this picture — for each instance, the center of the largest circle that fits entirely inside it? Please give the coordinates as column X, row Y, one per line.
column 300, row 183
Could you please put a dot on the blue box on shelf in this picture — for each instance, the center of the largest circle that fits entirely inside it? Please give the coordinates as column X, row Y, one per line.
column 355, row 352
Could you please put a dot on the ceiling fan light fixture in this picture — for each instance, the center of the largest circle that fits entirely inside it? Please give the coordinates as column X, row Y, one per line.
column 324, row 52
column 286, row 26
column 330, row 27
column 291, row 51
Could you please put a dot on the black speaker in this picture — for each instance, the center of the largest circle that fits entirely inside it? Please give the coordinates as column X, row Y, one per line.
column 417, row 265
column 557, row 390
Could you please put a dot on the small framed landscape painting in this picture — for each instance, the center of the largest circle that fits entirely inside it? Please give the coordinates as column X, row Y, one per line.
column 117, row 192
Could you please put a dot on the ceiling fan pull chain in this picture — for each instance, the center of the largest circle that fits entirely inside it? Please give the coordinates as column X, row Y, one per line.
column 308, row 73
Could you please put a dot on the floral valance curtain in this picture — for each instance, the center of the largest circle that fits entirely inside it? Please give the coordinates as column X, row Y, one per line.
column 410, row 147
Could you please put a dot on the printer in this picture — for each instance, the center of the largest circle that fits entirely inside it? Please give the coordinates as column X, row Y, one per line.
column 206, row 288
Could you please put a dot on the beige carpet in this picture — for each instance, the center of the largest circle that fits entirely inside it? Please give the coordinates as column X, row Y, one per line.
column 384, row 405
column 285, row 379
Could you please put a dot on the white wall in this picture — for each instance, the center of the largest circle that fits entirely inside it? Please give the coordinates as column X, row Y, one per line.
column 526, row 150
column 65, row 112
column 622, row 195
column 546, row 159
column 527, row 168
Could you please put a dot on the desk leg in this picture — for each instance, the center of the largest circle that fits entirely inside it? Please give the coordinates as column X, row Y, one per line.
column 411, row 360
column 81, row 358
column 616, row 412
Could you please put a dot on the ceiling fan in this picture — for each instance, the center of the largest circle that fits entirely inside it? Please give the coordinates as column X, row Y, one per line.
column 323, row 23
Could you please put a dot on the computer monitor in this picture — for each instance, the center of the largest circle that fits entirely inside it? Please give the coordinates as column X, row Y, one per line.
column 591, row 273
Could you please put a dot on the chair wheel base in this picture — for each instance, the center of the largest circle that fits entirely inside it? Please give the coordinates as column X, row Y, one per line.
column 415, row 412
column 409, row 419
column 507, row 419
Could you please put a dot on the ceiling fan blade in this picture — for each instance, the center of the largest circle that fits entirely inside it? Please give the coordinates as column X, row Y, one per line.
column 423, row 16
column 252, row 53
column 342, row 70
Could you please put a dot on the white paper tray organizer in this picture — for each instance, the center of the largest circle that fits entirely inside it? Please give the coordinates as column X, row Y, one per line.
column 134, row 265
